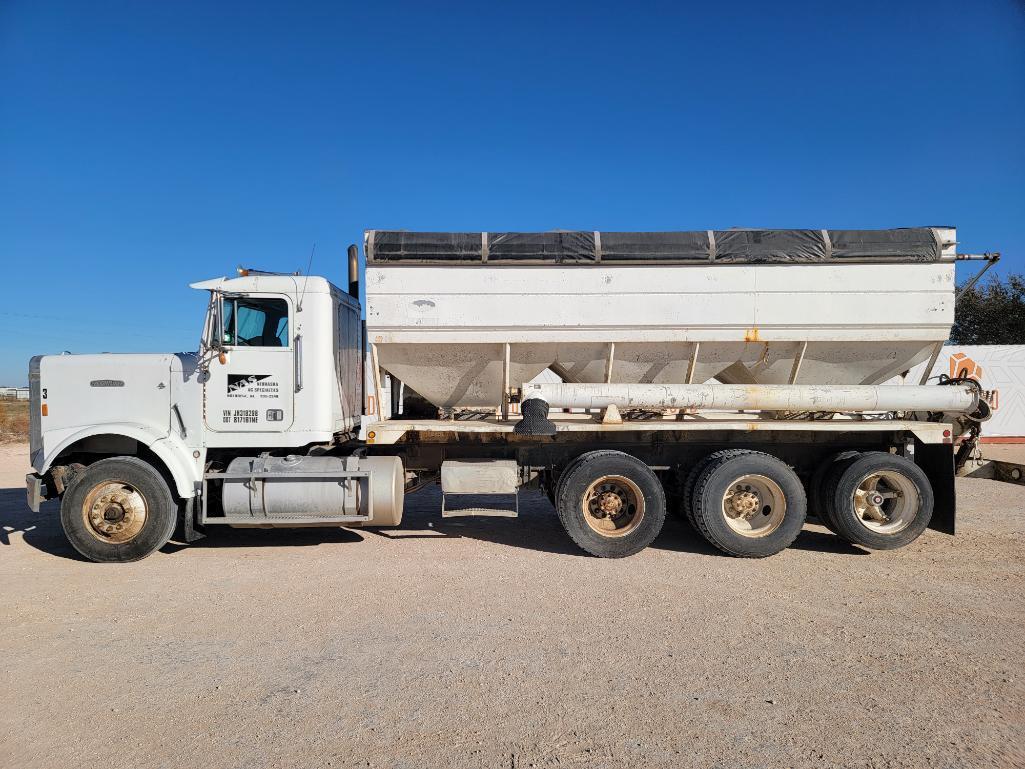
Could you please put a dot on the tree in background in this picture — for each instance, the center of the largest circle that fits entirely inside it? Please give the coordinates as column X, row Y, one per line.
column 991, row 313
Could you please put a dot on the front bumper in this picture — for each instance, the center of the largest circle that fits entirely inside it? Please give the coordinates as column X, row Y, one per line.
column 35, row 490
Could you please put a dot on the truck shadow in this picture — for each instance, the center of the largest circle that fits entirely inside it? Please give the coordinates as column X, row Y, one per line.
column 679, row 536
column 537, row 528
column 40, row 530
column 43, row 532
column 823, row 541
column 225, row 537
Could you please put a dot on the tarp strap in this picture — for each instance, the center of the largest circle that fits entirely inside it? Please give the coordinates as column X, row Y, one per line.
column 829, row 244
column 597, row 246
column 711, row 245
column 484, row 247
column 368, row 246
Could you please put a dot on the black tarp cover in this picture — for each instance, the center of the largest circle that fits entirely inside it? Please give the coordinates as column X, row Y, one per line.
column 911, row 244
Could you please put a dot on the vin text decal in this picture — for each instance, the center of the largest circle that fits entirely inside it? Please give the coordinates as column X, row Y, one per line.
column 249, row 387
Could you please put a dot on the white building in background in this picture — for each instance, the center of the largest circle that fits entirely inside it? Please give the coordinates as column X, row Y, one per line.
column 996, row 367
column 14, row 393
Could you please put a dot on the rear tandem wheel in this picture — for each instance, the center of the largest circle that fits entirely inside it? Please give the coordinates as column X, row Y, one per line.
column 879, row 500
column 610, row 503
column 749, row 504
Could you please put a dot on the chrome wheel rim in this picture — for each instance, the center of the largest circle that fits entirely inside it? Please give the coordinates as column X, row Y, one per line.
column 886, row 501
column 613, row 506
column 114, row 512
column 754, row 506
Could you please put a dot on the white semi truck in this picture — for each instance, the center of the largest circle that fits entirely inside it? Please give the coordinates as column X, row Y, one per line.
column 743, row 379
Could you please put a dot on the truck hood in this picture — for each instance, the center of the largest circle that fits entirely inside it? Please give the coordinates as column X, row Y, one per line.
column 83, row 392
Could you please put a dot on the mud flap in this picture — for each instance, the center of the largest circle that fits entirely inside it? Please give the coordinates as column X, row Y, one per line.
column 35, row 491
column 190, row 529
column 937, row 461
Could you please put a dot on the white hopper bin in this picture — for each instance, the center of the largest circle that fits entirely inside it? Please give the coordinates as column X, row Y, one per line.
column 461, row 326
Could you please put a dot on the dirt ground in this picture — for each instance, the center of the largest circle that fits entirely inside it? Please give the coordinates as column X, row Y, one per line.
column 492, row 642
column 1005, row 452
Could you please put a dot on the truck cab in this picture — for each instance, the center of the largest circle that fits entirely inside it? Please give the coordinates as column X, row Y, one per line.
column 279, row 368
column 283, row 359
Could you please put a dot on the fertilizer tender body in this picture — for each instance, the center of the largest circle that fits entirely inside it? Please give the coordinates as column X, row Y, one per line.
column 742, row 379
column 744, row 312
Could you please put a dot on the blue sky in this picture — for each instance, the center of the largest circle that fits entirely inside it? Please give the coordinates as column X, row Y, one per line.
column 145, row 145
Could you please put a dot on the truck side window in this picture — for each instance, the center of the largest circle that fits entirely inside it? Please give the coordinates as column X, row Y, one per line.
column 252, row 322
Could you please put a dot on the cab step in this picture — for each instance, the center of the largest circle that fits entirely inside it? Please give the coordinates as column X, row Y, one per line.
column 484, row 477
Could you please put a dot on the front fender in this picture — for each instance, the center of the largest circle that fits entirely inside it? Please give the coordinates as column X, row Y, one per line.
column 170, row 449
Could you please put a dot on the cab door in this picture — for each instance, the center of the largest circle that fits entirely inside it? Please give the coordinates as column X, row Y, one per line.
column 253, row 390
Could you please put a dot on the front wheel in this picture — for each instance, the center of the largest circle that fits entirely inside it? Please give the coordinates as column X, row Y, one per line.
column 611, row 504
column 118, row 510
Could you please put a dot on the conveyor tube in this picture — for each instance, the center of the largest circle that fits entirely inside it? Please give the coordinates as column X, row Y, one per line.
column 840, row 398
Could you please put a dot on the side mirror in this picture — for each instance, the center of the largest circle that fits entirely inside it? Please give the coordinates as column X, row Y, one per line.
column 213, row 337
column 218, row 329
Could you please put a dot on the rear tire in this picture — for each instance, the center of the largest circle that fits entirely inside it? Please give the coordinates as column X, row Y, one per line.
column 881, row 501
column 819, row 503
column 611, row 504
column 554, row 496
column 749, row 504
column 118, row 510
column 692, row 480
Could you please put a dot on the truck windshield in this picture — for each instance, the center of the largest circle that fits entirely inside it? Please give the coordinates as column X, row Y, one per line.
column 256, row 322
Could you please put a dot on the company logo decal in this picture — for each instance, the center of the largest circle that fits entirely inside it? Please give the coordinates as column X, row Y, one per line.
column 238, row 382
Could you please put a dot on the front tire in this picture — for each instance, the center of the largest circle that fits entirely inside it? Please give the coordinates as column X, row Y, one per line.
column 611, row 504
column 118, row 510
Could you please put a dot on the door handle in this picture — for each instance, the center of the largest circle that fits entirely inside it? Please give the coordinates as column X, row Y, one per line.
column 181, row 422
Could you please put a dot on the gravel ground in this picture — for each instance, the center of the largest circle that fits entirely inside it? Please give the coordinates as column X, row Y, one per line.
column 494, row 643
